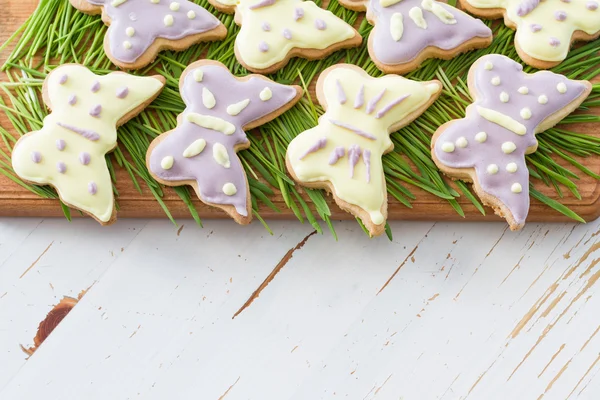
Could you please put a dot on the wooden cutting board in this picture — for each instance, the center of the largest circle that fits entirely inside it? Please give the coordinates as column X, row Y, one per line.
column 17, row 201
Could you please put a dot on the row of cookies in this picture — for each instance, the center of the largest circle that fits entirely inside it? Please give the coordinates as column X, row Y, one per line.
column 406, row 33
column 342, row 154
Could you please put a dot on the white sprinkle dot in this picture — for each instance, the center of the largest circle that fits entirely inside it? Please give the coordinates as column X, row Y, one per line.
column 448, row 147
column 504, row 97
column 508, row 147
column 130, row 31
column 266, row 94
column 481, row 137
column 543, row 99
column 496, row 81
column 174, row 6
column 167, row 163
column 512, row 167
column 229, row 189
column 154, row 1
column 191, row 14
column 516, row 188
column 127, row 44
column 492, row 169
column 462, row 142
column 561, row 87
column 488, row 66
column 523, row 90
column 525, row 113
column 198, row 75
column 168, row 20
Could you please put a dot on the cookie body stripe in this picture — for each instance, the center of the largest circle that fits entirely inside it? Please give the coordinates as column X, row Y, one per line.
column 72, row 143
column 136, row 24
column 490, row 138
column 357, row 137
column 203, row 144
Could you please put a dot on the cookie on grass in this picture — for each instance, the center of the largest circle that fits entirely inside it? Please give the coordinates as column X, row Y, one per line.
column 545, row 29
column 343, row 153
column 201, row 150
column 69, row 151
column 140, row 29
column 408, row 32
column 274, row 31
column 489, row 145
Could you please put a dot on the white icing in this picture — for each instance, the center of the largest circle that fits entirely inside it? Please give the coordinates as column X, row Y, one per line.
column 561, row 87
column 167, row 162
column 208, row 99
column 210, row 122
column 492, row 169
column 440, row 12
column 543, row 99
column 524, row 90
column 496, row 81
column 481, row 137
column 488, row 66
column 512, row 168
column 448, row 147
column 462, row 142
column 198, row 75
column 195, row 148
column 229, row 189
column 168, row 20
column 516, row 188
column 235, row 109
column 396, row 26
column 525, row 113
column 504, row 97
column 416, row 15
column 221, row 156
column 508, row 147
column 266, row 94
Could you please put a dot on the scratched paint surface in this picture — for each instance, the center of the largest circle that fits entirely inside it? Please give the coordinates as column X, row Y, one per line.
column 446, row 311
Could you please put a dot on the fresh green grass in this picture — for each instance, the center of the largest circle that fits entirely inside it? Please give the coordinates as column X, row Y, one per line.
column 56, row 33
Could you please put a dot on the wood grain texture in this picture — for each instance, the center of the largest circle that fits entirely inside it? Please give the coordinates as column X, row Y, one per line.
column 17, row 201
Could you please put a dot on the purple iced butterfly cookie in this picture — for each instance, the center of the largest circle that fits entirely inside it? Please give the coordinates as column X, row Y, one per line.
column 136, row 25
column 201, row 151
column 490, row 144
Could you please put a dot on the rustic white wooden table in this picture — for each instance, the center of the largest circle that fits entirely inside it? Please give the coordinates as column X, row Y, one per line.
column 445, row 311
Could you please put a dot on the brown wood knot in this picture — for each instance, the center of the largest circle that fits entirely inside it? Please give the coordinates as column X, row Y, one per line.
column 48, row 324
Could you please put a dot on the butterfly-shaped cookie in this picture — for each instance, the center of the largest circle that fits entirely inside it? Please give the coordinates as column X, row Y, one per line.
column 273, row 31
column 140, row 29
column 489, row 146
column 343, row 153
column 545, row 28
column 407, row 32
column 68, row 152
column 201, row 150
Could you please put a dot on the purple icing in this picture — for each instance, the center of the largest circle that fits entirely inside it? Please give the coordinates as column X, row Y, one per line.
column 591, row 5
column 147, row 20
column 360, row 97
column 61, row 167
column 298, row 14
column 96, row 110
column 320, row 24
column 63, row 79
column 122, row 92
column 60, row 144
column 526, row 7
column 36, row 157
column 263, row 46
column 535, row 27
column 560, row 15
column 554, row 42
column 341, row 94
column 84, row 158
column 72, row 99
column 203, row 169
column 95, row 87
column 261, row 4
column 336, row 154
column 367, row 160
column 86, row 133
column 92, row 188
column 266, row 26
column 354, row 153
column 373, row 103
column 387, row 108
column 480, row 155
column 353, row 129
column 320, row 144
column 414, row 39
column 287, row 34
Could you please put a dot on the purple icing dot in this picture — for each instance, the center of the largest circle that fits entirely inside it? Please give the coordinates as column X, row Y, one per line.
column 320, row 24
column 266, row 26
column 122, row 92
column 535, row 27
column 84, row 158
column 92, row 188
column 72, row 99
column 560, row 15
column 592, row 5
column 95, row 86
column 298, row 13
column 36, row 157
column 96, row 110
column 61, row 167
column 63, row 79
column 287, row 34
column 60, row 144
column 263, row 46
column 554, row 42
